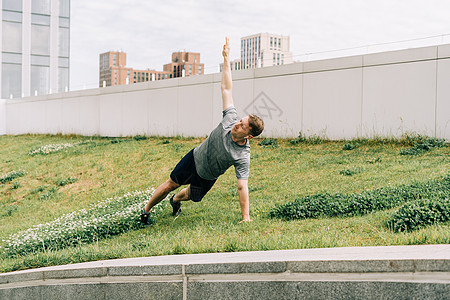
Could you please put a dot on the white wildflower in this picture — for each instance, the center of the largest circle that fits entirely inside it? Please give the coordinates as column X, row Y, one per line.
column 108, row 217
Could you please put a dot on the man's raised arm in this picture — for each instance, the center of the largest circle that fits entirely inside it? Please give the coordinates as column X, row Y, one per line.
column 227, row 84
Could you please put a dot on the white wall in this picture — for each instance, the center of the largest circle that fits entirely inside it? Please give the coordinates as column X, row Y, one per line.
column 2, row 116
column 383, row 94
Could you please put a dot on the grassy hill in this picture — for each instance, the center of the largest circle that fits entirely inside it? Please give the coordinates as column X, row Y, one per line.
column 45, row 177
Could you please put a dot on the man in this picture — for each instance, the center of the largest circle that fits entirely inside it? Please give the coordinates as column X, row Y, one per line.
column 226, row 145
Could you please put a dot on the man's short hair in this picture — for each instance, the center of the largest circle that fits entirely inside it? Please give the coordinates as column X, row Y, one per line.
column 256, row 125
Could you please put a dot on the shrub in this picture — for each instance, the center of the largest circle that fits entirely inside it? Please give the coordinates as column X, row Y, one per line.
column 420, row 144
column 268, row 143
column 375, row 160
column 117, row 140
column 8, row 210
column 313, row 140
column 139, row 137
column 350, row 172
column 332, row 205
column 48, row 194
column 420, row 213
column 298, row 140
column 102, row 220
column 63, row 182
column 350, row 146
column 38, row 189
column 413, row 139
column 11, row 176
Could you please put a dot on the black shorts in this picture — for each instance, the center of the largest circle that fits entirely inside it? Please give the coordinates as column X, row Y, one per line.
column 186, row 173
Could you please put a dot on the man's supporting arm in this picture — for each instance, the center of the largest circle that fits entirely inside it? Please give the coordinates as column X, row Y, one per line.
column 227, row 84
column 242, row 186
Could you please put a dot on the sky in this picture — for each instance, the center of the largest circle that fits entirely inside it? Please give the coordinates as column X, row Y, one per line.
column 149, row 30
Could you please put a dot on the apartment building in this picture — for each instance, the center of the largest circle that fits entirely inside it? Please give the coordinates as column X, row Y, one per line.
column 113, row 71
column 262, row 50
column 265, row 49
column 35, row 47
column 185, row 64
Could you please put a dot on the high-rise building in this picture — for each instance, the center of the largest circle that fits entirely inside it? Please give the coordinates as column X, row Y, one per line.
column 185, row 64
column 262, row 50
column 265, row 49
column 35, row 47
column 113, row 71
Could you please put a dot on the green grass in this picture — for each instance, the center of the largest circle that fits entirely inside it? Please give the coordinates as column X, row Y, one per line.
column 60, row 183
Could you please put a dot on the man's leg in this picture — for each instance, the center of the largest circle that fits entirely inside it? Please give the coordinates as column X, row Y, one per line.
column 160, row 193
column 175, row 201
column 183, row 195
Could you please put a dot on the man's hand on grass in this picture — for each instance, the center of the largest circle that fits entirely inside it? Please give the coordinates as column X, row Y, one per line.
column 245, row 220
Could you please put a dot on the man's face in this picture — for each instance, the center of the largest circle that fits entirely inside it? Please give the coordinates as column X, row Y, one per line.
column 241, row 128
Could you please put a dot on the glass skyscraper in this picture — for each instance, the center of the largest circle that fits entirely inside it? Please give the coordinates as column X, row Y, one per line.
column 35, row 40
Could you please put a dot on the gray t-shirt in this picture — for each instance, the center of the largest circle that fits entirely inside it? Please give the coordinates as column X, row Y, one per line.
column 219, row 152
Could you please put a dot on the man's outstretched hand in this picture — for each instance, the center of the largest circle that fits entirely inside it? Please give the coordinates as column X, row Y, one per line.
column 226, row 48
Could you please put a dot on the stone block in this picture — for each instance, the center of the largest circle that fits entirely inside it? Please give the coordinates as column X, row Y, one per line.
column 161, row 270
column 351, row 266
column 145, row 270
column 22, row 293
column 264, row 267
column 237, row 268
column 75, row 273
column 73, row 292
column 315, row 290
column 242, row 290
column 144, row 290
column 23, row 276
column 213, row 269
column 438, row 265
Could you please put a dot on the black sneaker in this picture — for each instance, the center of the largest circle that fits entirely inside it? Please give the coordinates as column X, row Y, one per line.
column 176, row 207
column 145, row 217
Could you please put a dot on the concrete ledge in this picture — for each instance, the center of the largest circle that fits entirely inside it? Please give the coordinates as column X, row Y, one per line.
column 397, row 272
column 349, row 62
column 280, row 70
column 444, row 51
column 401, row 56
